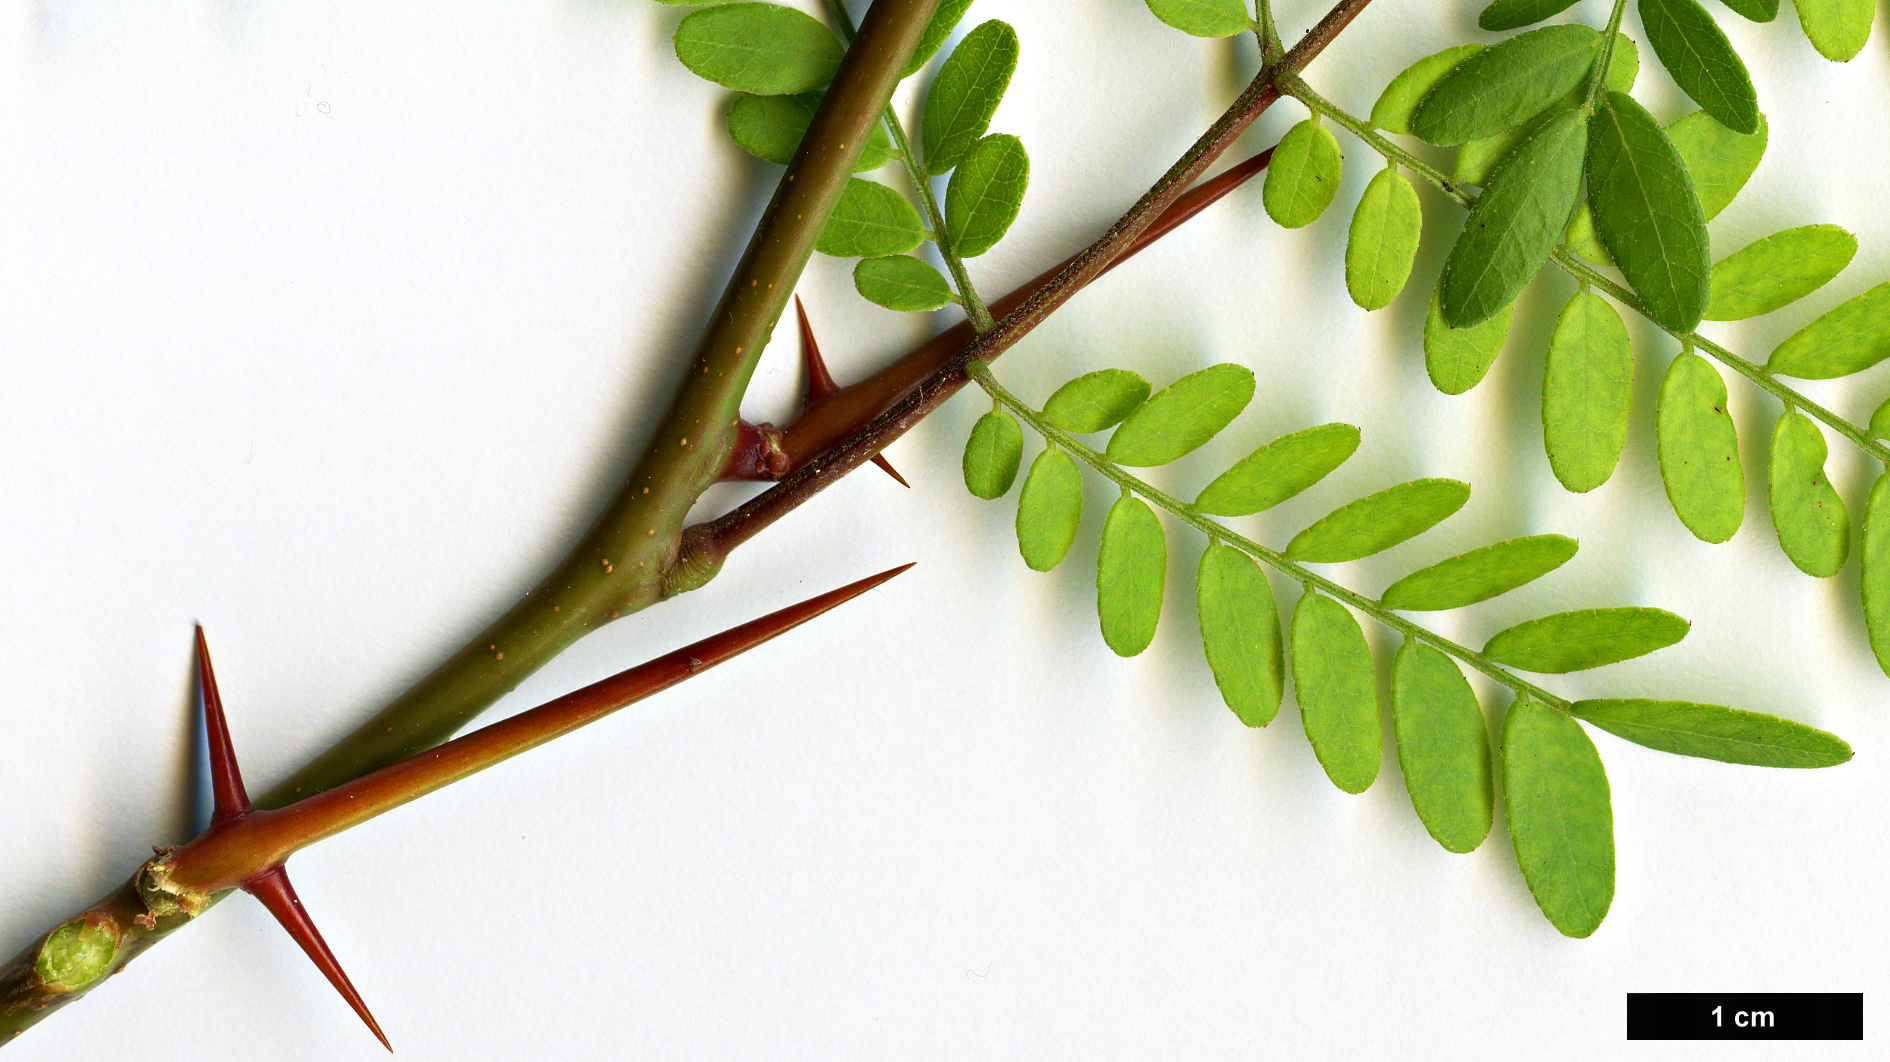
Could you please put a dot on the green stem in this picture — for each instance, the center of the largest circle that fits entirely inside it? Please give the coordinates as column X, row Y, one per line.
column 1182, row 511
column 1271, row 47
column 1598, row 84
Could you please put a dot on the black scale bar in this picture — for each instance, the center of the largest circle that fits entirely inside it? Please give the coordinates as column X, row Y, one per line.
column 1745, row 1015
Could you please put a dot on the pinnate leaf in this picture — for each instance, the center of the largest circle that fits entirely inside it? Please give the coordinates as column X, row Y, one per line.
column 1813, row 528
column 1337, row 691
column 1303, row 176
column 1561, row 819
column 1096, row 400
column 1647, row 214
column 966, row 92
column 1457, row 359
column 1130, row 568
column 1699, row 450
column 1182, row 416
column 1443, row 748
column 985, row 193
column 1383, row 240
column 1587, row 387
column 1517, row 221
column 1049, row 509
column 761, row 48
column 1204, row 18
column 1719, row 160
column 771, row 127
column 1507, row 84
column 1400, row 99
column 1713, row 732
column 901, row 282
column 937, row 30
column 1240, row 632
column 1585, row 638
column 1837, row 28
column 1702, row 61
column 1515, row 14
column 1756, row 10
column 1278, row 470
column 1851, row 338
column 1480, row 574
column 1778, row 270
column 870, row 221
column 1874, row 555
column 992, row 454
column 1378, row 521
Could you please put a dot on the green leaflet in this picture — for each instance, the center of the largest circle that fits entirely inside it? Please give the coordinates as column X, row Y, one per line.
column 1240, row 632
column 760, row 48
column 1096, row 400
column 1182, row 416
column 1278, row 470
column 870, row 221
column 1048, row 510
column 901, row 282
column 1837, row 28
column 1587, row 387
column 1506, row 84
column 985, row 193
column 1756, row 10
column 1443, row 748
column 1517, row 221
column 1699, row 451
column 1382, row 242
column 1585, row 638
column 1647, row 213
column 1880, row 421
column 1303, row 176
column 1337, row 691
column 1561, row 820
column 1719, row 160
column 1712, row 732
column 1392, row 112
column 1778, row 270
column 961, row 99
column 1458, row 358
column 1851, row 338
column 771, row 127
column 1378, row 521
column 1874, row 554
column 944, row 20
column 1515, row 14
column 1477, row 159
column 1204, row 18
column 1813, row 528
column 1583, row 239
column 1129, row 570
column 992, row 453
column 1702, row 61
column 1480, row 574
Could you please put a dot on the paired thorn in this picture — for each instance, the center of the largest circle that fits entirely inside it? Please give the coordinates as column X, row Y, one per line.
column 820, row 385
column 230, row 801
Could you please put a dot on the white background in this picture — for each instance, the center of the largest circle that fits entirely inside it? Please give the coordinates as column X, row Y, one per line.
column 330, row 324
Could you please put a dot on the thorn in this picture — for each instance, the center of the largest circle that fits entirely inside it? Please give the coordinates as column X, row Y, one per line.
column 880, row 460
column 228, row 797
column 820, row 385
column 273, row 889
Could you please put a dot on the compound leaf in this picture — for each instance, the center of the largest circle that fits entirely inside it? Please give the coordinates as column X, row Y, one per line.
column 1278, row 470
column 1303, row 176
column 985, row 193
column 1699, row 450
column 1480, row 574
column 1457, row 359
column 870, row 221
column 1813, row 528
column 1585, row 638
column 1182, row 416
column 1507, row 84
column 1702, row 61
column 1874, row 555
column 1337, row 691
column 1517, row 221
column 992, row 454
column 1204, row 18
column 1515, row 14
column 1712, row 732
column 1395, row 105
column 1443, row 748
column 1240, row 632
column 1561, row 819
column 1587, row 387
column 1778, row 270
column 1049, row 509
column 1383, row 240
column 1647, row 213
column 771, row 127
column 1850, row 338
column 1130, row 568
column 965, row 93
column 1096, row 400
column 1837, row 28
column 761, row 48
column 1719, row 160
column 901, row 282
column 1378, row 521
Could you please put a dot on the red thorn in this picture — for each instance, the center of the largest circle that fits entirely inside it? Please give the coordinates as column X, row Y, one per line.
column 880, row 460
column 820, row 383
column 273, row 889
column 228, row 797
